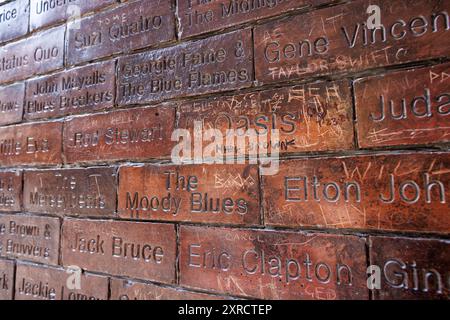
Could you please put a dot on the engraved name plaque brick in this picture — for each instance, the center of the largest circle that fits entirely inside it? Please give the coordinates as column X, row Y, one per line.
column 83, row 192
column 80, row 90
column 28, row 144
column 402, row 108
column 30, row 238
column 134, row 25
column 193, row 193
column 10, row 190
column 38, row 54
column 337, row 39
column 273, row 265
column 135, row 249
column 404, row 192
column 219, row 63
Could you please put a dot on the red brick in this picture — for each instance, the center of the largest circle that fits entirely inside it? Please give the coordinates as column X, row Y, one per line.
column 84, row 192
column 10, row 190
column 6, row 279
column 324, row 108
column 193, row 193
column 90, row 187
column 197, row 17
column 129, row 134
column 49, row 12
column 31, row 144
column 38, row 54
column 80, row 90
column 404, row 108
column 129, row 290
column 411, row 268
column 49, row 283
column 219, row 63
column 273, row 265
column 11, row 103
column 14, row 22
column 135, row 249
column 131, row 26
column 316, row 44
column 29, row 238
column 355, row 193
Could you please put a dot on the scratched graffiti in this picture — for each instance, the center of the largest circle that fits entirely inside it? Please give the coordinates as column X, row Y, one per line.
column 338, row 39
column 406, row 107
column 314, row 117
column 270, row 265
column 395, row 192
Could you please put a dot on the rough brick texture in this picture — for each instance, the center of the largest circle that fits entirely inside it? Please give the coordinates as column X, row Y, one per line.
column 226, row 149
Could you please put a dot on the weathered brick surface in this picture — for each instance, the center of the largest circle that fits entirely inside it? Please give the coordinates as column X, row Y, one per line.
column 11, row 190
column 131, row 26
column 138, row 250
column 220, row 63
column 129, row 134
column 273, row 265
column 224, row 149
column 30, row 238
column 84, row 192
column 221, row 194
column 407, row 107
column 130, row 290
column 197, row 17
column 6, row 279
column 406, row 192
column 14, row 20
column 78, row 90
column 333, row 40
column 45, row 12
column 28, row 144
column 411, row 268
column 11, row 103
column 38, row 54
column 49, row 283
column 323, row 108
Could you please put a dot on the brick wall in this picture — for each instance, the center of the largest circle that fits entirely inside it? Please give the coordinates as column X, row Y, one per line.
column 91, row 92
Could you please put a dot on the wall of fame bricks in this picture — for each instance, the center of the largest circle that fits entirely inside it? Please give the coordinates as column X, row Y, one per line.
column 91, row 92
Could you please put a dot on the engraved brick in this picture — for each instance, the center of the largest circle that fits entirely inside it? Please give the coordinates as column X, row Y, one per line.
column 325, row 109
column 10, row 190
column 14, row 18
column 50, row 283
column 130, row 134
column 411, row 268
column 273, row 265
column 30, row 238
column 135, row 249
column 84, row 192
column 219, row 63
column 403, row 192
column 80, row 90
column 131, row 26
column 6, row 279
column 38, row 54
column 194, row 193
column 27, row 144
column 337, row 39
column 11, row 103
column 197, row 17
column 130, row 290
column 402, row 108
column 46, row 12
